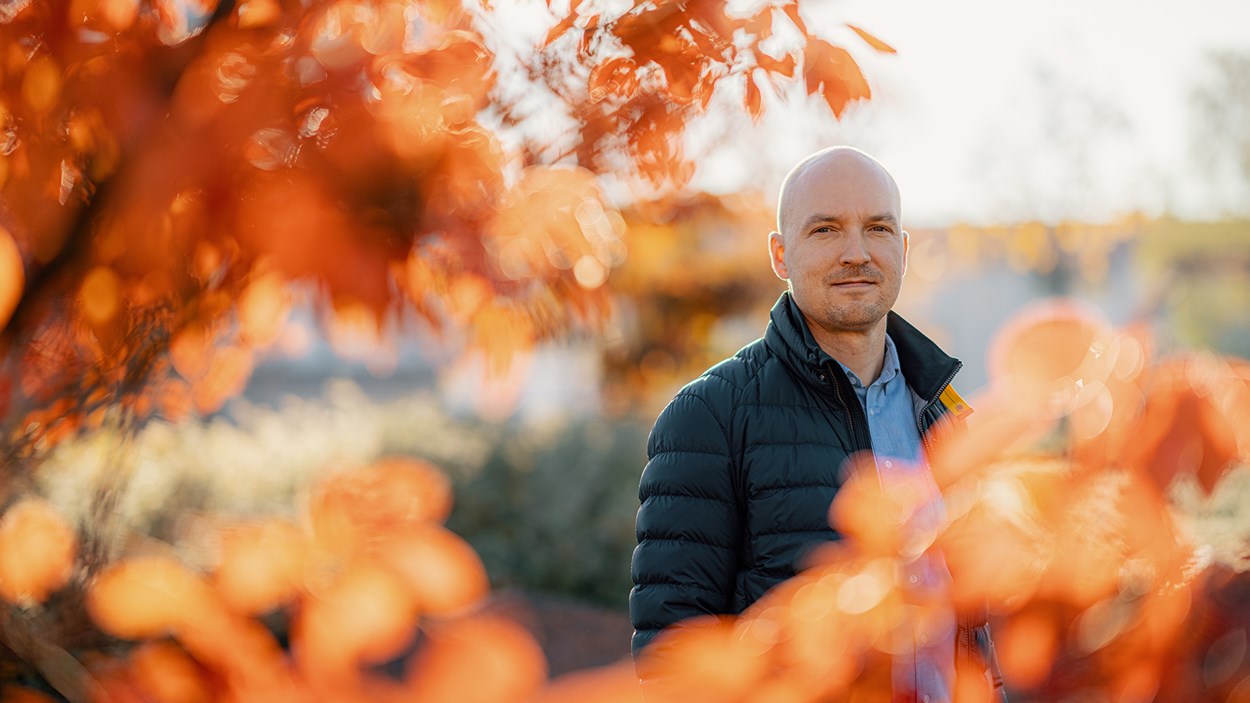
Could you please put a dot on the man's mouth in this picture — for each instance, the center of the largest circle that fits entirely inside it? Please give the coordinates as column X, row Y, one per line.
column 856, row 283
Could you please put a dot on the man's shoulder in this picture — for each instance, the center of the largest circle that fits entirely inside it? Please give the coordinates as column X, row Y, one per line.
column 725, row 381
column 706, row 405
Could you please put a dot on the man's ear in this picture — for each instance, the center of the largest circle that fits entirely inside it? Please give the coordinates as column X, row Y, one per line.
column 777, row 255
column 906, row 248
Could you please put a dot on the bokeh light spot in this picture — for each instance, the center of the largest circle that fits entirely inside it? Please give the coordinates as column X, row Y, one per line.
column 37, row 551
column 12, row 276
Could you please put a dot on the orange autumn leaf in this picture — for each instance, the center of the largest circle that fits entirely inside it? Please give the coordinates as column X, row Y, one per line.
column 1027, row 648
column 111, row 683
column 163, row 672
column 782, row 67
column 559, row 29
column 873, row 41
column 792, row 11
column 262, row 566
column 12, row 276
column 363, row 615
column 753, row 99
column 263, row 310
column 703, row 659
column 872, row 515
column 1000, row 427
column 440, row 569
column 37, row 552
column 149, row 596
column 970, row 684
column 1051, row 341
column 832, row 72
column 355, row 508
column 990, row 559
column 1189, row 422
column 478, row 659
column 761, row 23
column 613, row 684
column 240, row 650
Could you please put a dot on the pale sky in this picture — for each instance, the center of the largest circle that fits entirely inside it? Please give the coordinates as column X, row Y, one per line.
column 983, row 113
column 992, row 110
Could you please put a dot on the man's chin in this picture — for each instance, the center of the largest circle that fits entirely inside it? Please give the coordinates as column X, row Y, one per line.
column 857, row 320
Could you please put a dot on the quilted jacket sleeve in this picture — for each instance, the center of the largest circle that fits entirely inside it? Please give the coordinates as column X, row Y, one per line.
column 689, row 526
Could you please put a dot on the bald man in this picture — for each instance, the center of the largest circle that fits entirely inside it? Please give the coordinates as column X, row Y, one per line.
column 744, row 462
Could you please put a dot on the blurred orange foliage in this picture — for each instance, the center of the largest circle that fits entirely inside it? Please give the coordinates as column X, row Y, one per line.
column 170, row 167
column 356, row 597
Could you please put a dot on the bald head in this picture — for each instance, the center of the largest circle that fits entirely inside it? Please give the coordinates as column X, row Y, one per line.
column 843, row 162
column 840, row 244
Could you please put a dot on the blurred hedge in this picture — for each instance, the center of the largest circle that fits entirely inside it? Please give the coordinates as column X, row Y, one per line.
column 548, row 505
column 553, row 510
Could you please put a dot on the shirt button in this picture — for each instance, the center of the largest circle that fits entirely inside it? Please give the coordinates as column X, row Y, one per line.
column 913, row 579
column 889, row 464
column 926, row 698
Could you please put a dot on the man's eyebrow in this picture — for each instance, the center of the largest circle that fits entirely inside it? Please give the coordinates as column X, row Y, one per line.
column 837, row 219
column 821, row 217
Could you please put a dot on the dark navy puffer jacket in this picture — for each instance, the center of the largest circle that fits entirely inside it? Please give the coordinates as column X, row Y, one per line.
column 744, row 463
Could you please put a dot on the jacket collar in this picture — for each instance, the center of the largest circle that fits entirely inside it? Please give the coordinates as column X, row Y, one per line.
column 926, row 367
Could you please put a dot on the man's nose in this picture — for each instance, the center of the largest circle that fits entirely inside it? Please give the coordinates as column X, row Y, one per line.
column 853, row 250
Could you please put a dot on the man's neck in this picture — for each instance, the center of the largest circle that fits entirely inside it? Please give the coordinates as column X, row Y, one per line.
column 863, row 352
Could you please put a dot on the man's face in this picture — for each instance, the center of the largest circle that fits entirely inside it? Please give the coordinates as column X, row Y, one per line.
column 842, row 247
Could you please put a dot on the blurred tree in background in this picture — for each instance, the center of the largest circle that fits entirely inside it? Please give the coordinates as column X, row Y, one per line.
column 675, row 324
column 1221, row 111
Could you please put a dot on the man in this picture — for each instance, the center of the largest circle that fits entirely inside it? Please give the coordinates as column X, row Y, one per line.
column 745, row 461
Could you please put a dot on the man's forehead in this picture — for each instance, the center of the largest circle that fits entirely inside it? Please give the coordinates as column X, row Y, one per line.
column 850, row 171
column 842, row 181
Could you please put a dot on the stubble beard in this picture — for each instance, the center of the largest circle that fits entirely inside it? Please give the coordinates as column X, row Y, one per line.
column 856, row 314
column 853, row 315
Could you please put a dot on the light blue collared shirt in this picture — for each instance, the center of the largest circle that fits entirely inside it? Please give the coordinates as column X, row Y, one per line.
column 899, row 453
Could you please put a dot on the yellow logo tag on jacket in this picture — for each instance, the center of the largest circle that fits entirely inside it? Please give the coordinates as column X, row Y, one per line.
column 955, row 403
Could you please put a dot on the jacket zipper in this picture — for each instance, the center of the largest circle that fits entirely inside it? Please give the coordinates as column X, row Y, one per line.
column 837, row 391
column 966, row 653
column 924, row 435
